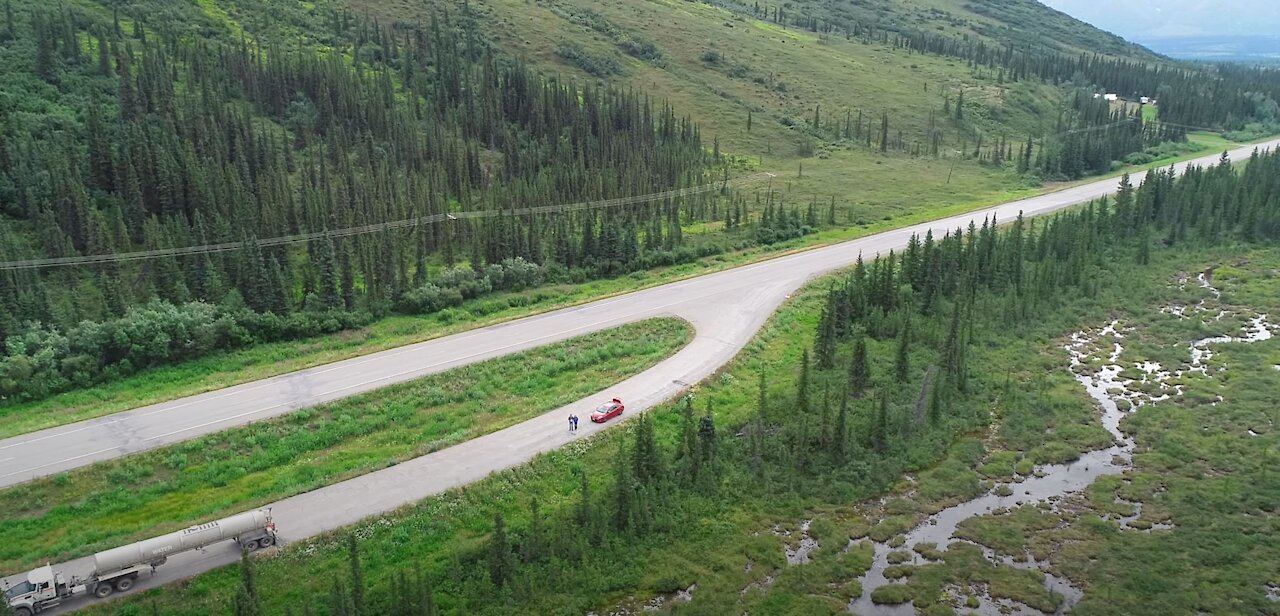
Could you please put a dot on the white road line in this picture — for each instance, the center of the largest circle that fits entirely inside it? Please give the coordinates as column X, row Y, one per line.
column 276, row 406
column 91, row 424
column 83, row 455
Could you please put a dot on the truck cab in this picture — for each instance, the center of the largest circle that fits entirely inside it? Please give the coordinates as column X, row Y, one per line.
column 42, row 589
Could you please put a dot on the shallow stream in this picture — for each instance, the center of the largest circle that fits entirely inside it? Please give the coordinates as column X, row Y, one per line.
column 1050, row 482
column 1045, row 486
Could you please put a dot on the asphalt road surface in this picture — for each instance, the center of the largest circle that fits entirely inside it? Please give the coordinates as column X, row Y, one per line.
column 725, row 309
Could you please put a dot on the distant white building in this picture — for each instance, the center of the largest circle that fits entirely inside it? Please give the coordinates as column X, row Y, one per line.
column 1111, row 97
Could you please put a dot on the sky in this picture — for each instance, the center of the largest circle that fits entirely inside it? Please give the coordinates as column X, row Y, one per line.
column 1148, row 19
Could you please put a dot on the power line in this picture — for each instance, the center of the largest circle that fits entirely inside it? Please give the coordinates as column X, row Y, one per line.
column 377, row 227
column 1187, row 126
column 1153, row 122
column 1095, row 127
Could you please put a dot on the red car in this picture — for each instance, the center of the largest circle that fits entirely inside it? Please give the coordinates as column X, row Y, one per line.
column 607, row 411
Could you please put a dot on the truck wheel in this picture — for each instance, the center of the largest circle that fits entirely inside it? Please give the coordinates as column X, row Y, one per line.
column 249, row 545
column 124, row 583
column 102, row 590
column 266, row 542
column 22, row 611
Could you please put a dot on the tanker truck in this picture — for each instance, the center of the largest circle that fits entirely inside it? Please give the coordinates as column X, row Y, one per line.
column 117, row 569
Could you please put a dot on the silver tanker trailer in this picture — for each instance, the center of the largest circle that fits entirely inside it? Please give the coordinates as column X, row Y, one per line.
column 117, row 569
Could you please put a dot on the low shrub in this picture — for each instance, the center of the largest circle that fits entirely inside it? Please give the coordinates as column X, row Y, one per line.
column 599, row 65
column 41, row 360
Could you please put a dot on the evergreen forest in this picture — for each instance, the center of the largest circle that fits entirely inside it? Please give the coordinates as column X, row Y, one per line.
column 156, row 141
column 886, row 383
column 173, row 184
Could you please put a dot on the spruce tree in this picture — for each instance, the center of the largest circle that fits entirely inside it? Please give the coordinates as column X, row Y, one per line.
column 690, row 458
column 10, row 31
column 859, row 369
column 340, row 599
column 623, row 489
column 534, row 544
column 102, row 171
column 880, row 427
column 277, row 289
column 327, row 279
column 824, row 347
column 841, row 431
column 426, row 603
column 707, row 437
column 45, row 61
column 1124, row 206
column 357, row 577
column 902, row 364
column 347, row 277
column 128, row 101
column 500, row 566
column 953, row 352
column 802, row 385
column 824, row 430
column 646, row 458
column 246, row 602
column 104, row 55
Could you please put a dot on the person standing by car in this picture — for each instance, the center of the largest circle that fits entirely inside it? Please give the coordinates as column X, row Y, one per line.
column 573, row 425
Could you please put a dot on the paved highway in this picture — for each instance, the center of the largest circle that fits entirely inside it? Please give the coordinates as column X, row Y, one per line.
column 704, row 301
column 725, row 308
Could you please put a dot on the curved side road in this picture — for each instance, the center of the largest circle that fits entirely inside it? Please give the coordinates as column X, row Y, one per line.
column 726, row 309
column 704, row 301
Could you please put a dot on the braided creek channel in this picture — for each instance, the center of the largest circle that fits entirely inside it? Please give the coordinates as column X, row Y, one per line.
column 1048, row 483
column 1095, row 361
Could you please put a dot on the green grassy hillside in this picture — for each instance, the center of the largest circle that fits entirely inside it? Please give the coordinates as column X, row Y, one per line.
column 804, row 94
column 721, row 63
column 140, row 125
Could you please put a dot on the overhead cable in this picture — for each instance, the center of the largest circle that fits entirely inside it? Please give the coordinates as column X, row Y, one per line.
column 378, row 227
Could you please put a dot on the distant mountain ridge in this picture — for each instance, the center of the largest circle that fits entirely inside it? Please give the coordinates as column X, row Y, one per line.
column 1152, row 20
column 1220, row 48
